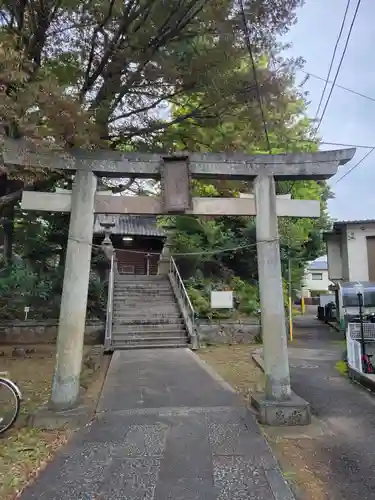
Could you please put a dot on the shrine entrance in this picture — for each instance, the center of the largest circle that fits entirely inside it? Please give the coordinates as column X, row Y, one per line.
column 175, row 172
column 137, row 241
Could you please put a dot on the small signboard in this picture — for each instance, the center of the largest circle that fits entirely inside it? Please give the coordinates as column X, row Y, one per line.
column 222, row 299
column 26, row 310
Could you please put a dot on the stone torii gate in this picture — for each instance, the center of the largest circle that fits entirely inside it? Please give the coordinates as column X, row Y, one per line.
column 175, row 172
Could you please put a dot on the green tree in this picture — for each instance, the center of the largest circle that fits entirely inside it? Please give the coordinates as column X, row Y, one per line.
column 240, row 129
column 111, row 70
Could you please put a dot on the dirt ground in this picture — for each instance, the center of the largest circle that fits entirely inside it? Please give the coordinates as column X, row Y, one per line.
column 236, row 366
column 23, row 450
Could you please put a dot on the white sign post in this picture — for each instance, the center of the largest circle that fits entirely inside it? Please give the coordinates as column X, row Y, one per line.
column 222, row 300
column 26, row 310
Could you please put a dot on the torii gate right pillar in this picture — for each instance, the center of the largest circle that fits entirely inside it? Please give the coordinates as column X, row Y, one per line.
column 276, row 365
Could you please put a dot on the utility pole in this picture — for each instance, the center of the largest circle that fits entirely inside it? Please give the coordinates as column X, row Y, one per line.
column 290, row 311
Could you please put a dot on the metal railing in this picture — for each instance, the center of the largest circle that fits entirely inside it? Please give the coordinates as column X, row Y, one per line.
column 109, row 317
column 184, row 302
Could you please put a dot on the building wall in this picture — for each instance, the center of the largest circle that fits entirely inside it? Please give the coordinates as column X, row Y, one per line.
column 345, row 256
column 314, row 284
column 357, row 250
column 132, row 255
column 136, row 260
column 334, row 257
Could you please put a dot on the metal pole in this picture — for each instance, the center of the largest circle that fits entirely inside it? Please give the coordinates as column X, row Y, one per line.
column 360, row 304
column 148, row 264
column 290, row 299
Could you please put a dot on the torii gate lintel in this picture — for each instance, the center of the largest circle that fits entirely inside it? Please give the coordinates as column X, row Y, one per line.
column 289, row 166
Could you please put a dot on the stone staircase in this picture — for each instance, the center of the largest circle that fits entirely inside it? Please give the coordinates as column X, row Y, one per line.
column 146, row 314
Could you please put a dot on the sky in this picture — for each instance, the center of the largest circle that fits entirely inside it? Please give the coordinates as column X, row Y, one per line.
column 349, row 118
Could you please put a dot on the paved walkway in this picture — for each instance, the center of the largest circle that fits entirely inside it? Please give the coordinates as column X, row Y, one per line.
column 167, row 428
column 343, row 458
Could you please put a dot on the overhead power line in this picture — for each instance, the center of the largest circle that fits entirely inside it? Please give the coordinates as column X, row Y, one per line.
column 352, row 91
column 346, row 145
column 249, row 48
column 184, row 254
column 333, row 58
column 342, row 144
column 340, row 64
column 354, row 166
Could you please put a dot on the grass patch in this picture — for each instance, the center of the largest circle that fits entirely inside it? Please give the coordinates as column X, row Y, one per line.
column 23, row 453
column 297, row 457
column 235, row 364
column 340, row 342
column 23, row 450
column 342, row 368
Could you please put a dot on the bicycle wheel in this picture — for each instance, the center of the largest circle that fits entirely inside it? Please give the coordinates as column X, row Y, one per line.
column 10, row 404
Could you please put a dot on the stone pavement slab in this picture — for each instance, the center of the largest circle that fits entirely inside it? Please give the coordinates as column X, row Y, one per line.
column 166, row 428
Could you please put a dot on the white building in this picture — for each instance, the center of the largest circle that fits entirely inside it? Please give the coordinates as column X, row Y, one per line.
column 350, row 255
column 351, row 251
column 316, row 278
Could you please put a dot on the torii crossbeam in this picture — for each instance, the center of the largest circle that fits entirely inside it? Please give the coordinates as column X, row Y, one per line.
column 175, row 172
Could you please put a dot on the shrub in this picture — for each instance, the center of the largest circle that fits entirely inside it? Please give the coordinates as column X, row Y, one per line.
column 22, row 286
column 245, row 296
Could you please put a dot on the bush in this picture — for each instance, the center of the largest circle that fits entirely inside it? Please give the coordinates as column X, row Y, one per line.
column 97, row 297
column 245, row 297
column 22, row 286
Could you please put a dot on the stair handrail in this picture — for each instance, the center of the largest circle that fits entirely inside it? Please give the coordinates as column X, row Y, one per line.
column 187, row 306
column 109, row 316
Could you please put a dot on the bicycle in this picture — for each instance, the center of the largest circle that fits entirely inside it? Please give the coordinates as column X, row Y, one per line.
column 368, row 367
column 10, row 403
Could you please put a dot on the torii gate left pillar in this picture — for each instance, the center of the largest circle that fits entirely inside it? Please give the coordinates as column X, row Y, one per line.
column 278, row 399
column 69, row 349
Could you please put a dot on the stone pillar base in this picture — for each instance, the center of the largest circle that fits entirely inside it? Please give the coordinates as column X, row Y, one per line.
column 163, row 267
column 46, row 418
column 294, row 411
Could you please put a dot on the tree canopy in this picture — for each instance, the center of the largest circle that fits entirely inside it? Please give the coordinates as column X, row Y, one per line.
column 109, row 67
column 155, row 75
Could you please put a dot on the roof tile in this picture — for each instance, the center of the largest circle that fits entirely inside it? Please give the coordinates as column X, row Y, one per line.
column 133, row 225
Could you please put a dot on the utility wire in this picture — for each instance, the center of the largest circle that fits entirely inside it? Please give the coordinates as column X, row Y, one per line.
column 185, row 254
column 340, row 64
column 354, row 167
column 346, row 145
column 332, row 59
column 352, row 91
column 249, row 48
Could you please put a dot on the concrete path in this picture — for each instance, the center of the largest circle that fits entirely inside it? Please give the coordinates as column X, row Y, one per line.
column 167, row 428
column 343, row 458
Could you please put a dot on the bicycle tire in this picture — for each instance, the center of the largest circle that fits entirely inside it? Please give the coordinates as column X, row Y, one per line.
column 13, row 388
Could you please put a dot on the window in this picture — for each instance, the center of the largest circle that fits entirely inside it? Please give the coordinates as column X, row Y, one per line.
column 316, row 276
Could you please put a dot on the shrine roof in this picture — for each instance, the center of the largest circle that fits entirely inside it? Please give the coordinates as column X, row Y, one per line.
column 131, row 225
